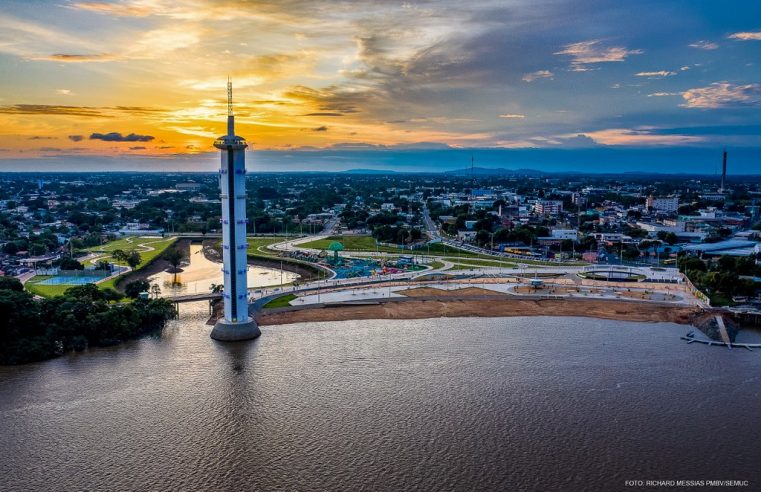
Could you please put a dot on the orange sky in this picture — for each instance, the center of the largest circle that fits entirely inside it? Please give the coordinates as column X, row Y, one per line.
column 150, row 74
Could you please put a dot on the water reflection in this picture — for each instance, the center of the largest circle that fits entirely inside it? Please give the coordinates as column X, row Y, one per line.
column 198, row 276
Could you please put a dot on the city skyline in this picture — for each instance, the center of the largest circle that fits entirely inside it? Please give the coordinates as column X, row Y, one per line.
column 334, row 86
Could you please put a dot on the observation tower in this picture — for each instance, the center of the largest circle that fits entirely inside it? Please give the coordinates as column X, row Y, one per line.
column 236, row 324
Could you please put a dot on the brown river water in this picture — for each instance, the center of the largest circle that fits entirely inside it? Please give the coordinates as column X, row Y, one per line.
column 518, row 403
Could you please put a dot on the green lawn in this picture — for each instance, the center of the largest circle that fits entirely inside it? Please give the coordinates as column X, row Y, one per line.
column 139, row 244
column 477, row 262
column 159, row 245
column 258, row 245
column 45, row 290
column 282, row 301
column 367, row 243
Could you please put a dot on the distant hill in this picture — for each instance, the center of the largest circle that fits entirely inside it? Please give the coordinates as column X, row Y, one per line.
column 488, row 171
column 369, row 171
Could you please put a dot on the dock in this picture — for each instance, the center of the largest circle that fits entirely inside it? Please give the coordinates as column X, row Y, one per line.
column 749, row 346
column 723, row 331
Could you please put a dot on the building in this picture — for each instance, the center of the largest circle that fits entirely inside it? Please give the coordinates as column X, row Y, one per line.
column 579, row 200
column 668, row 205
column 236, row 323
column 188, row 186
column 571, row 234
column 548, row 207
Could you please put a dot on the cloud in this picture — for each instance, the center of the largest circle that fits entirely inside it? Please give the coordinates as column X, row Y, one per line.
column 591, row 52
column 64, row 92
column 704, row 45
column 722, row 95
column 638, row 137
column 118, row 137
column 46, row 109
column 664, row 94
column 39, row 137
column 324, row 114
column 746, row 36
column 539, row 74
column 131, row 10
column 77, row 58
column 76, row 138
column 512, row 116
column 320, row 129
column 140, row 147
column 656, row 75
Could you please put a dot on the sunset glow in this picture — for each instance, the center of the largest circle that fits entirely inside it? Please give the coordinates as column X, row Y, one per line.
column 322, row 74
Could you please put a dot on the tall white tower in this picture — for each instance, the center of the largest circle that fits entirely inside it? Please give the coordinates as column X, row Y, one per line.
column 236, row 324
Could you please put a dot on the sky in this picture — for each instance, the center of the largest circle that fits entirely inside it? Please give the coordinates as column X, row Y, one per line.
column 584, row 85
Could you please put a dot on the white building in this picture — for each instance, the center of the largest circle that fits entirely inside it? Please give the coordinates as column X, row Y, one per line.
column 668, row 204
column 571, row 234
column 548, row 207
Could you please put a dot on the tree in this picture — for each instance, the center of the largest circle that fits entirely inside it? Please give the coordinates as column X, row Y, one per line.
column 135, row 288
column 174, row 257
column 11, row 283
column 156, row 290
column 133, row 259
column 71, row 264
column 110, row 294
column 119, row 255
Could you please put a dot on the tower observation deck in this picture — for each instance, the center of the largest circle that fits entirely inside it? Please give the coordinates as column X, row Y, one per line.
column 236, row 323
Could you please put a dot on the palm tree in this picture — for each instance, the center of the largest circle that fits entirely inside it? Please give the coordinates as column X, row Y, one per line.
column 174, row 257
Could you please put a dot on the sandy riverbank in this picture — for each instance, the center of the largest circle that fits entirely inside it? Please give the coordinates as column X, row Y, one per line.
column 504, row 306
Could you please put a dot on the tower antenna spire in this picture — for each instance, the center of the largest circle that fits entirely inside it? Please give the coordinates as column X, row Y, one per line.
column 229, row 97
column 230, row 115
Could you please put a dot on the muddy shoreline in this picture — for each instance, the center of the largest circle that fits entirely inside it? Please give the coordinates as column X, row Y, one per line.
column 504, row 306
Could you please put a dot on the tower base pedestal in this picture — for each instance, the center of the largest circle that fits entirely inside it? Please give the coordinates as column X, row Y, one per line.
column 224, row 331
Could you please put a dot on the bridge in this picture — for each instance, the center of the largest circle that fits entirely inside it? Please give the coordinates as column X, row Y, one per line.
column 209, row 296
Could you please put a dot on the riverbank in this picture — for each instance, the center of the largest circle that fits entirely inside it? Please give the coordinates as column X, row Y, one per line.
column 156, row 265
column 306, row 272
column 482, row 306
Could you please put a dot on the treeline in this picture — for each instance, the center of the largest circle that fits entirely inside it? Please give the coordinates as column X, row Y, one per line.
column 33, row 330
column 720, row 279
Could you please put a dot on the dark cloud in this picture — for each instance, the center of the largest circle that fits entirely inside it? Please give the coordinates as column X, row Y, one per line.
column 118, row 137
column 76, row 58
column 140, row 147
column 320, row 129
column 39, row 137
column 324, row 114
column 98, row 112
column 76, row 138
column 47, row 109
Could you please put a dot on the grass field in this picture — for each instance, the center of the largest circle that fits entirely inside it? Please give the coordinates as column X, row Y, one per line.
column 478, row 262
column 282, row 301
column 45, row 290
column 367, row 243
column 258, row 245
column 158, row 245
column 139, row 244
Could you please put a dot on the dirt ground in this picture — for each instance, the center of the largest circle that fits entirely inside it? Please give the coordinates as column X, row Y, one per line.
column 431, row 291
column 505, row 306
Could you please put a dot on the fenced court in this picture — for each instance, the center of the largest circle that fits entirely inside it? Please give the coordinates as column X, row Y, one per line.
column 78, row 277
column 69, row 280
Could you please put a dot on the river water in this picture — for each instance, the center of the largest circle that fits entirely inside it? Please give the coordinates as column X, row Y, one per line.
column 200, row 274
column 443, row 404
